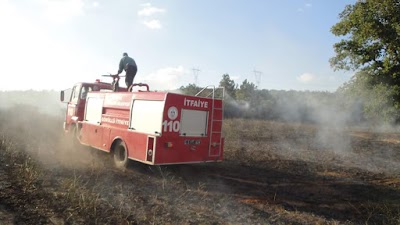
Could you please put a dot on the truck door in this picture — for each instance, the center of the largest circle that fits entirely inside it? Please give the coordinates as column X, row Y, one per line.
column 72, row 107
column 92, row 132
column 76, row 107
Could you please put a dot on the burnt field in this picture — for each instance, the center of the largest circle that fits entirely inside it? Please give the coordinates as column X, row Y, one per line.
column 273, row 173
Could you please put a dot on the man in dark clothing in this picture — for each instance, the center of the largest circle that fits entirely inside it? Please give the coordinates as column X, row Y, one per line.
column 129, row 65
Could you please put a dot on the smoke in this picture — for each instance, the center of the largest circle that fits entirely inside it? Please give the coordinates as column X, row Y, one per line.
column 236, row 105
column 332, row 122
column 326, row 111
column 169, row 78
column 34, row 121
column 320, row 127
column 47, row 102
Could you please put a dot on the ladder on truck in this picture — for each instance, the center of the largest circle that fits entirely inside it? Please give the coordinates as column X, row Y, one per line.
column 217, row 116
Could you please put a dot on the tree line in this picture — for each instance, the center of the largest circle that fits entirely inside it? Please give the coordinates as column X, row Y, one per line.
column 247, row 101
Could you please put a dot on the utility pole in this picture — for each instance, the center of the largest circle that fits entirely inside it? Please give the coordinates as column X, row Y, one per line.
column 196, row 74
column 257, row 74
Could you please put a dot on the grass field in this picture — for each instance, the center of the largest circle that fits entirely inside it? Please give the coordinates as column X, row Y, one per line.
column 273, row 173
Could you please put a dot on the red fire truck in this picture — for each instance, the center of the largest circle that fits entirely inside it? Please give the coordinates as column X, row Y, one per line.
column 155, row 128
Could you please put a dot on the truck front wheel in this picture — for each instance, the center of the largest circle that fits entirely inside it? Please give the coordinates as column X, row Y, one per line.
column 120, row 155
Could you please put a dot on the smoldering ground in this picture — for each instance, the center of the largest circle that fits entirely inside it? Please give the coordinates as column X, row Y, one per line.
column 318, row 128
column 86, row 177
column 38, row 132
column 274, row 173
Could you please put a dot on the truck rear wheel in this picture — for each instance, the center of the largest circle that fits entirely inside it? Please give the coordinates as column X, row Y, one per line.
column 120, row 155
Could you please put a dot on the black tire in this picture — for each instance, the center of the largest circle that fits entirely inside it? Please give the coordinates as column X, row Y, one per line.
column 120, row 155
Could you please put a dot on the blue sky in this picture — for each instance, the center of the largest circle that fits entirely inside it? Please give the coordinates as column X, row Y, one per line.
column 52, row 44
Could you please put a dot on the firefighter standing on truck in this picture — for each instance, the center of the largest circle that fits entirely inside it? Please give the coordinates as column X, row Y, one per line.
column 129, row 65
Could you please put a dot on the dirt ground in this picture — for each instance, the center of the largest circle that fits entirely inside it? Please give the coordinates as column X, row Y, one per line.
column 273, row 173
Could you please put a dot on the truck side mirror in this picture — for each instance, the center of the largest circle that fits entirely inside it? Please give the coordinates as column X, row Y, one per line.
column 62, row 96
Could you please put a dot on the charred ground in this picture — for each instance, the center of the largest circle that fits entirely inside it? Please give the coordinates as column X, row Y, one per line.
column 274, row 173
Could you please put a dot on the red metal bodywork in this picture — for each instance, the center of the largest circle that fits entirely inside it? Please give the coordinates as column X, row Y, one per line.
column 106, row 117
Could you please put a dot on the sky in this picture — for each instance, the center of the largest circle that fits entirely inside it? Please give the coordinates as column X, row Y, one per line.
column 275, row 44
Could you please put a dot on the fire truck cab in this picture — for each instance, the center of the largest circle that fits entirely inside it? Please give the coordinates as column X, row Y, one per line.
column 154, row 128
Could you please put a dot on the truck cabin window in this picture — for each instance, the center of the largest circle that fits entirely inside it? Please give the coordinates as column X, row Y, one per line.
column 84, row 91
column 75, row 94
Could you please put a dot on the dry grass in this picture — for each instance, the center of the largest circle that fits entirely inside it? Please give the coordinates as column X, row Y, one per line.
column 345, row 156
column 274, row 173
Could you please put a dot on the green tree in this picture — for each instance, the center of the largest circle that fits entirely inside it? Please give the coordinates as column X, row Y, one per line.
column 190, row 89
column 229, row 85
column 377, row 100
column 371, row 29
column 246, row 91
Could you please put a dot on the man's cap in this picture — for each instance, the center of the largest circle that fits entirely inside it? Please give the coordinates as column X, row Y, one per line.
column 125, row 54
